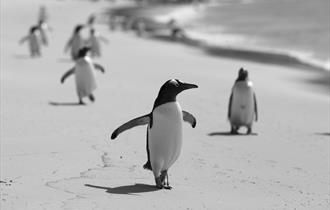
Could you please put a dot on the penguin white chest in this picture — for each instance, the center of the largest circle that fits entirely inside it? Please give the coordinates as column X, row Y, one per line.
column 85, row 79
column 242, row 109
column 165, row 135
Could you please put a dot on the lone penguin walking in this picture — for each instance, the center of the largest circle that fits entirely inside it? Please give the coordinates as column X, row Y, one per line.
column 164, row 132
column 34, row 41
column 84, row 75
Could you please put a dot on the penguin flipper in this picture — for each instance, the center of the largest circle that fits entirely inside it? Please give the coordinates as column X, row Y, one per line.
column 229, row 105
column 99, row 67
column 143, row 120
column 187, row 117
column 255, row 106
column 68, row 73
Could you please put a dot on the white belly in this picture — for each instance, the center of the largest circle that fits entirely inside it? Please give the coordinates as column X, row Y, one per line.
column 242, row 106
column 165, row 136
column 85, row 79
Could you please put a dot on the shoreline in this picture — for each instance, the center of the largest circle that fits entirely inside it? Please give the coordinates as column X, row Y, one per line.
column 277, row 57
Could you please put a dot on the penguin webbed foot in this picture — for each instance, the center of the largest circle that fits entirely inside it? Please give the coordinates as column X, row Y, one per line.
column 162, row 181
column 234, row 130
column 81, row 102
column 167, row 187
column 160, row 185
column 249, row 130
column 91, row 97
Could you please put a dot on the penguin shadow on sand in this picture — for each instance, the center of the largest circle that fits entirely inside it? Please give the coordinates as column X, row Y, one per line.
column 322, row 134
column 229, row 133
column 127, row 189
column 53, row 103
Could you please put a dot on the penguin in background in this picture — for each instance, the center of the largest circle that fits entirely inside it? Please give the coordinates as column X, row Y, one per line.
column 76, row 42
column 94, row 42
column 84, row 75
column 44, row 29
column 164, row 131
column 34, row 41
column 242, row 109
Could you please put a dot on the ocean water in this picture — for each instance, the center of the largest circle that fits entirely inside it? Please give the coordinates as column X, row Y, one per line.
column 297, row 28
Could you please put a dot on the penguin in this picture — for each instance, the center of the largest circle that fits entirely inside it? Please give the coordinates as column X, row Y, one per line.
column 94, row 42
column 242, row 109
column 76, row 42
column 34, row 41
column 44, row 29
column 84, row 75
column 164, row 131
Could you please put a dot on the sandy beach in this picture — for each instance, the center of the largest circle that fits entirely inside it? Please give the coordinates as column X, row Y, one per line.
column 61, row 156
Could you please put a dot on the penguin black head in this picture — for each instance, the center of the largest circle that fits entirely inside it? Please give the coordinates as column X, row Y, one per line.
column 83, row 52
column 33, row 29
column 242, row 75
column 78, row 28
column 170, row 90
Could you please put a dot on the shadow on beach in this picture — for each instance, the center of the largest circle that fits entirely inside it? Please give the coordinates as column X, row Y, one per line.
column 127, row 189
column 323, row 134
column 228, row 133
column 52, row 103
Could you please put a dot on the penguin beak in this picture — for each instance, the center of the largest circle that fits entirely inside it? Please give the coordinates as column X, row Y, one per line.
column 186, row 86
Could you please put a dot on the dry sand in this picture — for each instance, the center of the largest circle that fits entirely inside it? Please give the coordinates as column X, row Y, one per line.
column 61, row 157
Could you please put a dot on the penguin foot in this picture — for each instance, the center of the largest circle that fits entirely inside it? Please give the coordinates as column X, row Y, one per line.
column 81, row 102
column 233, row 130
column 167, row 187
column 147, row 166
column 249, row 131
column 91, row 97
column 162, row 185
column 159, row 183
column 164, row 180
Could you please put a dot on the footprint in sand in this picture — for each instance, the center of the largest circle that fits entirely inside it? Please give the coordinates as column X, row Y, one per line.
column 106, row 160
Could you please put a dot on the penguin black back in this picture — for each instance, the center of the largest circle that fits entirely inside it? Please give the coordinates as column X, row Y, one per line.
column 83, row 52
column 33, row 29
column 78, row 28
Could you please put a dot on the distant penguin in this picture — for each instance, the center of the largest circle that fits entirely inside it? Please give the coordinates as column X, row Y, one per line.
column 34, row 41
column 44, row 29
column 164, row 132
column 84, row 75
column 75, row 43
column 242, row 107
column 94, row 42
